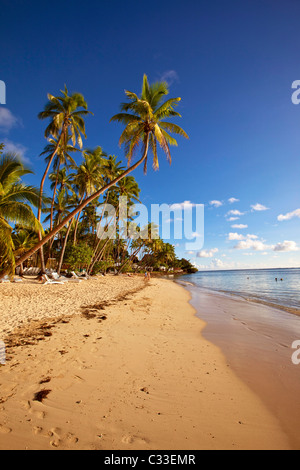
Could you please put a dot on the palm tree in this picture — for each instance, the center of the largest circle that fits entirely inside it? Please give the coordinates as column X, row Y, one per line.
column 88, row 178
column 66, row 119
column 62, row 157
column 144, row 127
column 145, row 123
column 111, row 168
column 23, row 240
column 16, row 200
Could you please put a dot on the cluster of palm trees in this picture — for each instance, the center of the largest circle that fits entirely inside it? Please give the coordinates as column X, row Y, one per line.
column 82, row 183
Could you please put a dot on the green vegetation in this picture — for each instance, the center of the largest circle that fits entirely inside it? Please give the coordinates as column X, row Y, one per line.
column 84, row 183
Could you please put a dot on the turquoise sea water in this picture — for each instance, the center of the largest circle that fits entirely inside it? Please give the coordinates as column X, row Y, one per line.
column 254, row 284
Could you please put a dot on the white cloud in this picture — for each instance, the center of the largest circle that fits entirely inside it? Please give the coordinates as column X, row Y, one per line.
column 259, row 207
column 235, row 213
column 250, row 244
column 217, row 264
column 235, row 236
column 239, row 226
column 19, row 149
column 186, row 205
column 169, row 76
column 286, row 246
column 232, row 200
column 7, row 120
column 207, row 253
column 216, row 203
column 289, row 215
column 232, row 219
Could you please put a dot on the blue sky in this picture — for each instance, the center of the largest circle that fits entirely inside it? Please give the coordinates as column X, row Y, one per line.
column 232, row 63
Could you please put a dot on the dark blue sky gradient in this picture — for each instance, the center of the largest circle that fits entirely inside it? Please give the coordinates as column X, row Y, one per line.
column 232, row 62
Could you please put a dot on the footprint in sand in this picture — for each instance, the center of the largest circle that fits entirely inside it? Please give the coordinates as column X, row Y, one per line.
column 5, row 429
column 61, row 440
column 37, row 430
column 133, row 440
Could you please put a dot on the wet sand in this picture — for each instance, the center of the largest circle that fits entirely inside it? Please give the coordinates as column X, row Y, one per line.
column 257, row 342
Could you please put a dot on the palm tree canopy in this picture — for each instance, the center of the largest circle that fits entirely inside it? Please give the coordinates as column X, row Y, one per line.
column 65, row 112
column 88, row 178
column 62, row 152
column 144, row 117
column 16, row 200
column 16, row 197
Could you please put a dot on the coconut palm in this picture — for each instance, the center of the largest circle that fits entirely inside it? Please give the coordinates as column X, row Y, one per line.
column 88, row 178
column 62, row 180
column 16, row 200
column 66, row 114
column 62, row 158
column 145, row 126
column 23, row 240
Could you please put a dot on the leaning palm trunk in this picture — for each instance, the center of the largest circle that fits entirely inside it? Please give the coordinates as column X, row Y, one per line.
column 98, row 256
column 95, row 254
column 85, row 203
column 129, row 260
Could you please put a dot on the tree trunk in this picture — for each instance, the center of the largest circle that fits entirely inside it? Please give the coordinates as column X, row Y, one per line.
column 128, row 260
column 96, row 255
column 62, row 255
column 77, row 223
column 41, row 202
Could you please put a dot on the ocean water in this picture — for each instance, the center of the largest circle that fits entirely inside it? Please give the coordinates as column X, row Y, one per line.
column 255, row 284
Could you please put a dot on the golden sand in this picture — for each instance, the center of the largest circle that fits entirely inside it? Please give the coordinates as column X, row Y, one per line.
column 90, row 372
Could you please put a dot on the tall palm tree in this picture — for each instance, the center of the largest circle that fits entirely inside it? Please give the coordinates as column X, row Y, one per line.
column 144, row 127
column 66, row 114
column 16, row 200
column 144, row 120
column 62, row 158
column 88, row 178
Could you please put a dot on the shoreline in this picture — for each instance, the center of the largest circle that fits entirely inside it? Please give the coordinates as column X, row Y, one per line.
column 129, row 375
column 292, row 311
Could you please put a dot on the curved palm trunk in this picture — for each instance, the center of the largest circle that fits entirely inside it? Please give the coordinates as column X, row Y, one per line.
column 99, row 256
column 129, row 260
column 77, row 223
column 41, row 200
column 96, row 256
column 52, row 211
column 53, row 198
column 81, row 206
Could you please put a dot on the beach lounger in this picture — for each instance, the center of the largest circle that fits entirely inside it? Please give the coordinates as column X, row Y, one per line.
column 57, row 277
column 77, row 277
column 47, row 280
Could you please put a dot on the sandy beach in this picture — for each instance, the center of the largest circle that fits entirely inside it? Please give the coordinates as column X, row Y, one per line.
column 115, row 363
